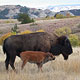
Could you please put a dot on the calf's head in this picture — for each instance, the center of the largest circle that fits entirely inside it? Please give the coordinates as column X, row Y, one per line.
column 50, row 57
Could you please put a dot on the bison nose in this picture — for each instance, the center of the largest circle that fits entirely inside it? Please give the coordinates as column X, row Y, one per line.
column 66, row 58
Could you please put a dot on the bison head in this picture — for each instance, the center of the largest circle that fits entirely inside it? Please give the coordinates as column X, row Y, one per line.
column 62, row 46
column 66, row 48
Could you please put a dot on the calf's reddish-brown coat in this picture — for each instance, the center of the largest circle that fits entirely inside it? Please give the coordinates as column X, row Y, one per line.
column 36, row 57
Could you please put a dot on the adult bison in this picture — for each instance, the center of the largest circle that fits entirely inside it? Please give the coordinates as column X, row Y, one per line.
column 40, row 41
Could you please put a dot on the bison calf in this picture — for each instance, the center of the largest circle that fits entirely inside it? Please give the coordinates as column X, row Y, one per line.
column 36, row 57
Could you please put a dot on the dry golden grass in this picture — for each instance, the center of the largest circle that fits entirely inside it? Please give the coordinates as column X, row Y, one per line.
column 55, row 70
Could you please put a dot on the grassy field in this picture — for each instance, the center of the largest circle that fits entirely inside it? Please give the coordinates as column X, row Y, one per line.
column 54, row 70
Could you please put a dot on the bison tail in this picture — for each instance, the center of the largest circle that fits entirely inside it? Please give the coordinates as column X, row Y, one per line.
column 4, row 49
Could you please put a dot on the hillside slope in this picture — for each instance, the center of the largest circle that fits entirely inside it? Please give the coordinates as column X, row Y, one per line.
column 47, row 25
column 12, row 11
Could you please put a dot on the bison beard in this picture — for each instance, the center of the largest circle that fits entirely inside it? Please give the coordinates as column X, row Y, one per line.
column 40, row 41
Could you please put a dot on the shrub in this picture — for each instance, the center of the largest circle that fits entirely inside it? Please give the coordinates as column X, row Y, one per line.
column 48, row 17
column 1, row 32
column 12, row 33
column 14, row 30
column 74, row 40
column 9, row 21
column 78, row 25
column 59, row 16
column 5, row 36
column 26, row 32
column 72, row 37
column 41, row 30
column 33, row 24
column 24, row 18
column 63, row 31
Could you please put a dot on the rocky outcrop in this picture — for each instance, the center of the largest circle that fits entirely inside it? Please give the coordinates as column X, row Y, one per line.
column 12, row 11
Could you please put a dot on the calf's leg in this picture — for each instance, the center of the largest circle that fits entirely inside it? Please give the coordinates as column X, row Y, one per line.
column 39, row 67
column 23, row 64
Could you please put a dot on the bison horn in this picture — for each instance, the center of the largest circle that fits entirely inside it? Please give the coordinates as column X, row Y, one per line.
column 66, row 39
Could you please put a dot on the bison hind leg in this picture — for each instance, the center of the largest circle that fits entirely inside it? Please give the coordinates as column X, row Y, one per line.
column 7, row 61
column 12, row 60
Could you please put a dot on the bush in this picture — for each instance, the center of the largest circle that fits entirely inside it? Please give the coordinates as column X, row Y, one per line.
column 72, row 37
column 41, row 30
column 12, row 33
column 48, row 17
column 74, row 40
column 5, row 36
column 63, row 31
column 14, row 30
column 33, row 24
column 78, row 26
column 26, row 32
column 59, row 16
column 1, row 32
column 24, row 18
column 9, row 21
